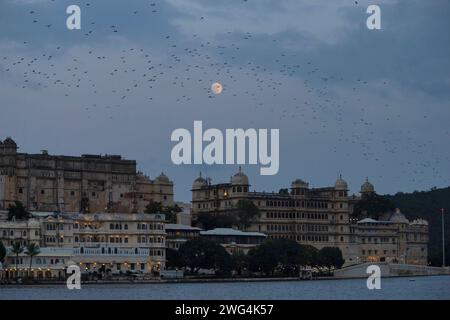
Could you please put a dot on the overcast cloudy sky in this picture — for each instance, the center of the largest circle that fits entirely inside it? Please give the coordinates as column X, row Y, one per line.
column 347, row 100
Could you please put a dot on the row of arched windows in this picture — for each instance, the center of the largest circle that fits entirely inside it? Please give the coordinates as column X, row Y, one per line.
column 296, row 215
column 301, row 204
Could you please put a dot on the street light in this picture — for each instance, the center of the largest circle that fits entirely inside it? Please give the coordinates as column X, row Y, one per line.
column 443, row 238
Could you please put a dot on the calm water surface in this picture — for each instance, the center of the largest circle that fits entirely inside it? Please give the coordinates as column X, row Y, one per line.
column 437, row 287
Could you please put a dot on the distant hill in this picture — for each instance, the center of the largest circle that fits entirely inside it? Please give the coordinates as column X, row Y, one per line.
column 427, row 205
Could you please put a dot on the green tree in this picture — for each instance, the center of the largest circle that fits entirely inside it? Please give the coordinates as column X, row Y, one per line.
column 239, row 262
column 246, row 212
column 264, row 258
column 32, row 250
column 283, row 191
column 2, row 252
column 154, row 207
column 209, row 221
column 372, row 206
column 310, row 255
column 200, row 253
column 170, row 212
column 18, row 211
column 17, row 249
column 174, row 259
column 330, row 257
column 283, row 255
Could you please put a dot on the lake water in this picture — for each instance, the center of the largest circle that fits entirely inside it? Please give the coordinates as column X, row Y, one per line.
column 437, row 287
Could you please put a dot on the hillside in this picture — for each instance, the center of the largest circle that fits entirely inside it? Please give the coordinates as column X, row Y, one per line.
column 427, row 205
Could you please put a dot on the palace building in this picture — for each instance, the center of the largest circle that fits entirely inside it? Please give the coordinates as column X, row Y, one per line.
column 88, row 184
column 316, row 216
column 107, row 243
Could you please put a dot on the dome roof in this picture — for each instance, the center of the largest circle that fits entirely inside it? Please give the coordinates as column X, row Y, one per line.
column 9, row 142
column 162, row 178
column 240, row 178
column 340, row 183
column 299, row 183
column 367, row 187
column 398, row 217
column 199, row 182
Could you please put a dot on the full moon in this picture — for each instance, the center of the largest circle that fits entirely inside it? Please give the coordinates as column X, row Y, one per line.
column 216, row 88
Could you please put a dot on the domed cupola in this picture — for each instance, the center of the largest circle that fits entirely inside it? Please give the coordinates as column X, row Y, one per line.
column 340, row 184
column 9, row 142
column 240, row 178
column 398, row 217
column 299, row 183
column 367, row 188
column 199, row 183
column 162, row 178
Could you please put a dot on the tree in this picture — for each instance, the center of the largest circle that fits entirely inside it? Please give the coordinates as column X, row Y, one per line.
column 330, row 257
column 209, row 221
column 310, row 255
column 32, row 250
column 200, row 253
column 2, row 252
column 18, row 211
column 372, row 206
column 264, row 258
column 283, row 191
column 283, row 255
column 16, row 249
column 153, row 207
column 169, row 211
column 174, row 259
column 239, row 262
column 246, row 211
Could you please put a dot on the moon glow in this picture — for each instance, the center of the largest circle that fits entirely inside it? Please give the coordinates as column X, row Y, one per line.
column 216, row 88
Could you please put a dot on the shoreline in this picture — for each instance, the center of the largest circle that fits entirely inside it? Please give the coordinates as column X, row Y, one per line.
column 200, row 280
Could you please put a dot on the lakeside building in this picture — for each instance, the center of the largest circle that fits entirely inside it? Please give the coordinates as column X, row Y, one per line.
column 392, row 239
column 316, row 216
column 108, row 243
column 88, row 184
column 231, row 239
column 23, row 232
column 178, row 234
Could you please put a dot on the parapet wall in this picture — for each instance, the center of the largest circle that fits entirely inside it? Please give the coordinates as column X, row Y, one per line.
column 390, row 270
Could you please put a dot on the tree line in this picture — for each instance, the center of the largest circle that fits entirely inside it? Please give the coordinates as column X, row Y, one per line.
column 240, row 216
column 277, row 257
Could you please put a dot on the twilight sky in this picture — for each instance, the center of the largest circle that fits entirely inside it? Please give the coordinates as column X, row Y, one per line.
column 346, row 99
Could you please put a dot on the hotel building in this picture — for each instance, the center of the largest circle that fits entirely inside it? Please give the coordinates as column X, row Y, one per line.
column 314, row 216
column 98, row 243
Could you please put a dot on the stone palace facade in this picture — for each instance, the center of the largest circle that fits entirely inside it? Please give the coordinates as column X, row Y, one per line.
column 88, row 184
column 319, row 217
